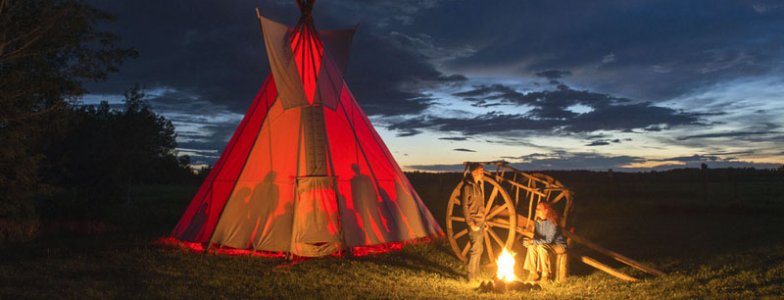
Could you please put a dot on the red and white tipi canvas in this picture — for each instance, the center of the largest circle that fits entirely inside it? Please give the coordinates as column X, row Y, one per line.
column 305, row 172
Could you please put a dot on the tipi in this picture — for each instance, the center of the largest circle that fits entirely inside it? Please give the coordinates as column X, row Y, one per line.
column 305, row 173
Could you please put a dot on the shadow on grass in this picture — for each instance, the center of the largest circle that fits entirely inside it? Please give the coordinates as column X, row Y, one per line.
column 416, row 262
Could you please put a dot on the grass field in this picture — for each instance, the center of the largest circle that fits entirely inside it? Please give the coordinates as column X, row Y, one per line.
column 726, row 243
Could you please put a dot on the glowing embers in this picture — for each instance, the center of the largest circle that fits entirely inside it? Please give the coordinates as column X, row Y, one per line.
column 506, row 280
column 506, row 263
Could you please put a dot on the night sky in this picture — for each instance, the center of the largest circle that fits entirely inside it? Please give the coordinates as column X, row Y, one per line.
column 627, row 85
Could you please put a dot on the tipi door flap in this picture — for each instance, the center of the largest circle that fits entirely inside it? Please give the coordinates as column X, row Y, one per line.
column 316, row 228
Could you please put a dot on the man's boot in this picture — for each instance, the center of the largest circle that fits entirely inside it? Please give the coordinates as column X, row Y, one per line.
column 532, row 276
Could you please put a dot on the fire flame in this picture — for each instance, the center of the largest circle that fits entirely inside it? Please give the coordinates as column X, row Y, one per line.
column 505, row 263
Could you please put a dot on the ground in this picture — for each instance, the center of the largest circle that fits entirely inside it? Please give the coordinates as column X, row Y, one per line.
column 721, row 240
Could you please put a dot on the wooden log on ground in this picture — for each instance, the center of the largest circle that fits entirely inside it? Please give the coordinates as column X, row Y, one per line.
column 607, row 269
column 617, row 256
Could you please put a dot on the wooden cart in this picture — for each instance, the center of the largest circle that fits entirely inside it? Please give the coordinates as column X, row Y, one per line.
column 511, row 197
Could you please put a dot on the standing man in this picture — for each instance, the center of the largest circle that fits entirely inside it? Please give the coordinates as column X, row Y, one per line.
column 473, row 199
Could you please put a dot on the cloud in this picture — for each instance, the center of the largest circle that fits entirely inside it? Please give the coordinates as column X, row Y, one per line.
column 215, row 50
column 725, row 134
column 551, row 113
column 490, row 95
column 565, row 160
column 379, row 13
column 410, row 57
column 438, row 168
column 767, row 6
column 493, row 92
column 732, row 152
column 726, row 59
column 602, row 142
column 632, row 116
column 453, row 138
column 202, row 127
column 199, row 156
column 547, row 104
column 463, row 150
column 492, row 122
column 423, row 45
column 693, row 158
column 404, row 132
column 210, row 49
column 554, row 75
column 556, row 160
column 609, row 58
column 730, row 40
column 712, row 161
column 389, row 80
column 203, row 62
column 598, row 143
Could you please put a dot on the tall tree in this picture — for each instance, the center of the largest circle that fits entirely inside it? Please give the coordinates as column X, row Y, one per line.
column 103, row 151
column 145, row 140
column 48, row 49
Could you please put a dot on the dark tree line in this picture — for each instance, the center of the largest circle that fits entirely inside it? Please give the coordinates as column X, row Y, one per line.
column 102, row 152
column 53, row 151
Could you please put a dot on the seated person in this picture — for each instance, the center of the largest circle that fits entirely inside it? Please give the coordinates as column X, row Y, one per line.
column 547, row 241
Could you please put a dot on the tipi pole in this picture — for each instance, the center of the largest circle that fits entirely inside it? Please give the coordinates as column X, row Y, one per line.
column 290, row 256
column 617, row 256
column 607, row 269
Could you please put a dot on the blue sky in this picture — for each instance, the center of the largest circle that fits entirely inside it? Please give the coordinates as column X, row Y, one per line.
column 627, row 85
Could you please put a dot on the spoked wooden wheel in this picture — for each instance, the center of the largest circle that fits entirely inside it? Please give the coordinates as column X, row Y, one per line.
column 501, row 222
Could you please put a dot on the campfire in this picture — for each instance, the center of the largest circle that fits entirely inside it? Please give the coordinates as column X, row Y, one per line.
column 506, row 263
column 506, row 280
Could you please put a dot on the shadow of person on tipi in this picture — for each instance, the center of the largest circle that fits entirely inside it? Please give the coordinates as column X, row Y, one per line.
column 263, row 207
column 365, row 198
